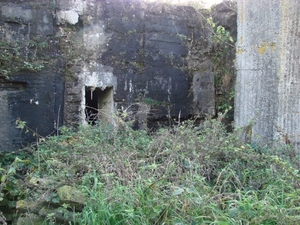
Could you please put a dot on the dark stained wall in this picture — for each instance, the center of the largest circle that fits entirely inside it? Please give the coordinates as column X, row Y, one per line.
column 155, row 59
column 31, row 76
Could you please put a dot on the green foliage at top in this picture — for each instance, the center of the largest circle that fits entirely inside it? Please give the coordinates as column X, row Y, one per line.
column 15, row 56
column 182, row 175
column 220, row 34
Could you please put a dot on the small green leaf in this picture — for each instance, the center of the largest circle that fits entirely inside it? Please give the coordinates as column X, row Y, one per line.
column 186, row 164
column 12, row 170
column 17, row 159
column 55, row 200
column 232, row 212
column 177, row 191
column 25, row 161
column 190, row 191
column 3, row 178
column 20, row 124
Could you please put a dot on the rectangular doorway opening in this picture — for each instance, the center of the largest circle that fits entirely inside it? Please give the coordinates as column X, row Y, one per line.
column 98, row 105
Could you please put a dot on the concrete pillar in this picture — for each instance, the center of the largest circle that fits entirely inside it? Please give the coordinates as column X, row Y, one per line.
column 267, row 97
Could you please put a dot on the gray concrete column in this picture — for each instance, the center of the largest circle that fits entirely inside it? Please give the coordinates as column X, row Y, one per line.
column 268, row 70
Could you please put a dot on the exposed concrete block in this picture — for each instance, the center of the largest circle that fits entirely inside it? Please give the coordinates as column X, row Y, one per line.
column 203, row 93
column 14, row 12
column 68, row 16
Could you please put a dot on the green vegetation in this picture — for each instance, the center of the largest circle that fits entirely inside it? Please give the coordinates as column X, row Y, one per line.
column 222, row 56
column 15, row 57
column 181, row 175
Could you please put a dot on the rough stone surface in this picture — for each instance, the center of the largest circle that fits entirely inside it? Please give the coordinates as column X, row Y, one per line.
column 17, row 12
column 69, row 16
column 43, row 183
column 30, row 206
column 268, row 79
column 30, row 219
column 152, row 56
column 60, row 215
column 50, row 202
column 72, row 196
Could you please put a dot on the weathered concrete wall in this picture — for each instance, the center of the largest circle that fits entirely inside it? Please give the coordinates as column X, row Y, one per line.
column 151, row 61
column 268, row 79
column 144, row 51
column 27, row 41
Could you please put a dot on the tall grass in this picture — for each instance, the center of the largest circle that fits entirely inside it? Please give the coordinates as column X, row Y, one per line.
column 180, row 175
column 186, row 174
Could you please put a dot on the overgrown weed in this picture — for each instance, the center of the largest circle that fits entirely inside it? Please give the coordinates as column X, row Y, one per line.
column 182, row 175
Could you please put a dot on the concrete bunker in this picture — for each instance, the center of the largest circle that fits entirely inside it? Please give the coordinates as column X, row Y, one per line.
column 102, row 62
column 98, row 104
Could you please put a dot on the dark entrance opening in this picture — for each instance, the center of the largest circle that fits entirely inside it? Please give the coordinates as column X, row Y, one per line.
column 98, row 104
column 91, row 105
